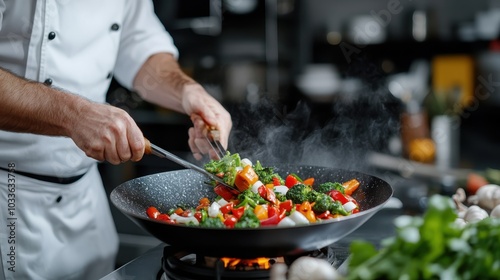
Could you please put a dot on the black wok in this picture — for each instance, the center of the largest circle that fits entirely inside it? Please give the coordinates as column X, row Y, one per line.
column 169, row 189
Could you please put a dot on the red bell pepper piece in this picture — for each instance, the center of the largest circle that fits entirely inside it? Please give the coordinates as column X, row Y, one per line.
column 324, row 215
column 287, row 205
column 198, row 216
column 274, row 219
column 238, row 212
column 276, row 181
column 291, row 181
column 271, row 211
column 226, row 208
column 223, row 192
column 336, row 195
column 230, row 221
column 152, row 212
column 267, row 194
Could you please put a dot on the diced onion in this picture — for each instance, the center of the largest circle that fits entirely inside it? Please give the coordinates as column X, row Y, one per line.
column 299, row 218
column 245, row 162
column 256, row 186
column 281, row 189
column 349, row 206
column 213, row 210
column 222, row 202
column 286, row 222
column 184, row 220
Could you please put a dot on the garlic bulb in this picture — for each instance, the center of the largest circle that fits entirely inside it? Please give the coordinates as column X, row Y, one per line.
column 495, row 213
column 475, row 214
column 309, row 268
column 487, row 196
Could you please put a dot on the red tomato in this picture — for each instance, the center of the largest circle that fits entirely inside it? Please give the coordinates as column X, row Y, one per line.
column 230, row 221
column 474, row 182
column 291, row 181
column 336, row 195
column 152, row 212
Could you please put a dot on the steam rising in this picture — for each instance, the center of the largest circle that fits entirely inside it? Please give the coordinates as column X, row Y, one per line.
column 339, row 136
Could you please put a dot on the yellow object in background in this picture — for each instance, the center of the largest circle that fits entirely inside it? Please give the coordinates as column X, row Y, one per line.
column 451, row 72
column 422, row 150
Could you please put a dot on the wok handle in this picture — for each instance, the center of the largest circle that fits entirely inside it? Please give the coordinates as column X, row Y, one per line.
column 152, row 149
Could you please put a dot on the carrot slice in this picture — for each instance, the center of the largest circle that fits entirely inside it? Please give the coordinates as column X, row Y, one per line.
column 350, row 186
column 309, row 181
column 245, row 178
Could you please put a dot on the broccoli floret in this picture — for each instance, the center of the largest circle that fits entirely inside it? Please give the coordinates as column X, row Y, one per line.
column 322, row 203
column 266, row 174
column 210, row 222
column 248, row 220
column 328, row 186
column 248, row 197
column 298, row 193
column 312, row 196
column 281, row 197
column 337, row 208
column 226, row 165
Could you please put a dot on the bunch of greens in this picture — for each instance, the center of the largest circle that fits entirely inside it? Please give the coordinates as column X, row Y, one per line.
column 266, row 174
column 226, row 167
column 432, row 247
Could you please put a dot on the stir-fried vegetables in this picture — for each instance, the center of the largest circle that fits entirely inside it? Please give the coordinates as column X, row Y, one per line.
column 265, row 199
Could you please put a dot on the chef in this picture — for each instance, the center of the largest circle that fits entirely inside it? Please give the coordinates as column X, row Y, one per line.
column 57, row 58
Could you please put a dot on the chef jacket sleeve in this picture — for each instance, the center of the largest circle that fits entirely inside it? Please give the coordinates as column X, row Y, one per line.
column 142, row 36
column 2, row 10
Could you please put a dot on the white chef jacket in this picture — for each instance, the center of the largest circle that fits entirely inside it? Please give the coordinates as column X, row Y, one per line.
column 62, row 231
column 77, row 46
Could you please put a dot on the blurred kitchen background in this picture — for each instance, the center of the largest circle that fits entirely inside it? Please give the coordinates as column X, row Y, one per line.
column 406, row 90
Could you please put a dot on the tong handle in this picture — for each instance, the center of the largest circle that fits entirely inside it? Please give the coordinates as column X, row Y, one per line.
column 213, row 138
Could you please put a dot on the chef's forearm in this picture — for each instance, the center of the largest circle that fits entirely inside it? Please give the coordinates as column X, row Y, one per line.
column 33, row 107
column 161, row 81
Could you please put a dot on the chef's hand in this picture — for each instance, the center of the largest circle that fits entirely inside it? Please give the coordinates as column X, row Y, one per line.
column 204, row 111
column 105, row 132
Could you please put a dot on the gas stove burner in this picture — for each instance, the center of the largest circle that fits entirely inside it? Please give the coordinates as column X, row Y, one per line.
column 178, row 264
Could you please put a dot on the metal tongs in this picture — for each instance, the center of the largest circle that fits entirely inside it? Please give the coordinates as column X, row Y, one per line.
column 213, row 138
column 152, row 149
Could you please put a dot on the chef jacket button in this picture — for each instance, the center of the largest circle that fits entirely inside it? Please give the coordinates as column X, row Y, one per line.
column 58, row 199
column 115, row 26
column 110, row 74
column 52, row 35
column 48, row 82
